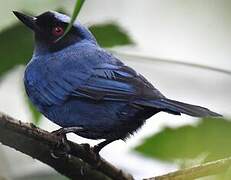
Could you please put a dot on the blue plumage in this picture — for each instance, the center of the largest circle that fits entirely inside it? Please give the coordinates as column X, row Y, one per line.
column 75, row 83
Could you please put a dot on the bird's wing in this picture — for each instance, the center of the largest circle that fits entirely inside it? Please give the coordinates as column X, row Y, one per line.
column 48, row 86
column 117, row 83
column 106, row 81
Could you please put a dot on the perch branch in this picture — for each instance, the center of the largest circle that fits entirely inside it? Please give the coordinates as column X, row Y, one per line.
column 37, row 143
column 79, row 163
column 202, row 170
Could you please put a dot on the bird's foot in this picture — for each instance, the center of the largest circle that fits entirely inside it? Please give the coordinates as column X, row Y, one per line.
column 96, row 155
column 93, row 153
column 86, row 147
column 93, row 150
column 96, row 149
column 62, row 148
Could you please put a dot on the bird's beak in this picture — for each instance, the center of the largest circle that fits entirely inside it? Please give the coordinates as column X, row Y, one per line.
column 29, row 21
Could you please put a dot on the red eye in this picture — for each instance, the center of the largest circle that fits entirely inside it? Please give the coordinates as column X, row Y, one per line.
column 57, row 31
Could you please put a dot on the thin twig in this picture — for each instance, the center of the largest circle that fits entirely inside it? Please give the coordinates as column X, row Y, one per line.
column 202, row 170
column 37, row 143
column 172, row 61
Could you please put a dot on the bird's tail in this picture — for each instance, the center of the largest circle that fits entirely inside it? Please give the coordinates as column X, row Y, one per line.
column 176, row 107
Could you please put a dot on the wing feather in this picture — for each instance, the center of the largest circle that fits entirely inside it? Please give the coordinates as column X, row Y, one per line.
column 107, row 81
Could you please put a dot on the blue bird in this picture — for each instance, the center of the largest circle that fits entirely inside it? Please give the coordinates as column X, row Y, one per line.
column 85, row 89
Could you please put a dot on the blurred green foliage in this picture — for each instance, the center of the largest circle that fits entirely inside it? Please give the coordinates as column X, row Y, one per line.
column 16, row 45
column 35, row 113
column 110, row 35
column 210, row 137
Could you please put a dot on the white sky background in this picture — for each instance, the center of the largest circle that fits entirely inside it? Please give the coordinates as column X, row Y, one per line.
column 186, row 30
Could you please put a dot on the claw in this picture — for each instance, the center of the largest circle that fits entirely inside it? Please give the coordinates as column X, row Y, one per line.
column 82, row 171
column 94, row 154
column 97, row 157
column 96, row 149
column 61, row 149
column 53, row 155
column 86, row 146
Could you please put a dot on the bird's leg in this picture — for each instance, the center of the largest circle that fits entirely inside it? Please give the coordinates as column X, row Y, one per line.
column 64, row 131
column 62, row 148
column 97, row 148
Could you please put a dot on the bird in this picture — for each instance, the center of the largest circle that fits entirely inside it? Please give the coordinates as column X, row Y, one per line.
column 87, row 90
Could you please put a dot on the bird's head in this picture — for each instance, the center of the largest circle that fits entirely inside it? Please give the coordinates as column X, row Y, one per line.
column 50, row 26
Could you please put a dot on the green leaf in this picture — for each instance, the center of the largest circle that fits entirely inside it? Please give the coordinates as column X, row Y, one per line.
column 35, row 113
column 110, row 34
column 16, row 44
column 210, row 136
column 78, row 6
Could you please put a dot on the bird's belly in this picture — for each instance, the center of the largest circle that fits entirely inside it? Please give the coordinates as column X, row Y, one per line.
column 100, row 120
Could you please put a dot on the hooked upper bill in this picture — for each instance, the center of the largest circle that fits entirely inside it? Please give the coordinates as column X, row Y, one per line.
column 29, row 21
